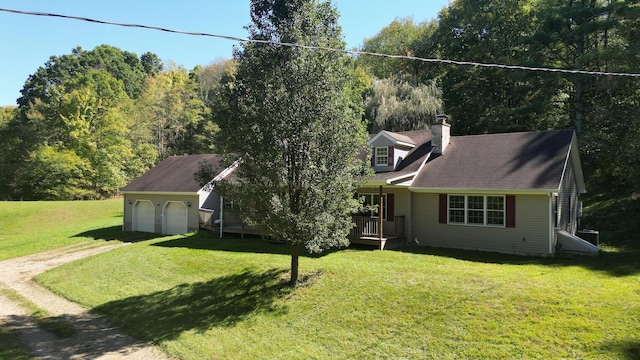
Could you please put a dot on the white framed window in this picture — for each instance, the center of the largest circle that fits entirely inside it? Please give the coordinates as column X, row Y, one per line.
column 476, row 210
column 382, row 156
column 373, row 200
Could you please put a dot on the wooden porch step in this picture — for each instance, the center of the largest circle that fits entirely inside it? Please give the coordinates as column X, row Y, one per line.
column 385, row 243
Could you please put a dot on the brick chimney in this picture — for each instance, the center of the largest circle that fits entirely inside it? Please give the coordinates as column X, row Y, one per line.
column 440, row 134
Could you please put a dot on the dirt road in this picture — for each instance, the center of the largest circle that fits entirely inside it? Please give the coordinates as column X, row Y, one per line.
column 94, row 337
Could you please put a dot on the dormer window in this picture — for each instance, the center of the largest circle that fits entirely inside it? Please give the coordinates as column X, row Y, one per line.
column 382, row 156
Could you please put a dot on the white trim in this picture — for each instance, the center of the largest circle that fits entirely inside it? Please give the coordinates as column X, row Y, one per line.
column 134, row 215
column 405, row 176
column 385, row 203
column 195, row 193
column 485, row 211
column 224, row 173
column 573, row 155
column 481, row 191
column 164, row 216
column 376, row 162
column 402, row 143
column 386, row 135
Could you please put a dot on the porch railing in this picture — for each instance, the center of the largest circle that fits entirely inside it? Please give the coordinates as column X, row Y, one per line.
column 366, row 226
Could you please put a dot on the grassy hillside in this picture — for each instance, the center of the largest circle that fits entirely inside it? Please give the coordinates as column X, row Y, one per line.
column 36, row 226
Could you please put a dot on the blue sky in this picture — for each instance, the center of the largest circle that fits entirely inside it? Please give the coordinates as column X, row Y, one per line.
column 28, row 41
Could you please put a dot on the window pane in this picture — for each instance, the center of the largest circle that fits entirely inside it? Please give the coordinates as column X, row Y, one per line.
column 475, row 202
column 495, row 203
column 456, row 216
column 376, row 203
column 382, row 156
column 476, row 217
column 456, row 202
column 495, row 218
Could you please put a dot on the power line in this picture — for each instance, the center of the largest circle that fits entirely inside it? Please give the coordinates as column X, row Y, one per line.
column 350, row 52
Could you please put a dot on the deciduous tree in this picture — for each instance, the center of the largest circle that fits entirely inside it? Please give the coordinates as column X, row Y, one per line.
column 294, row 124
column 397, row 105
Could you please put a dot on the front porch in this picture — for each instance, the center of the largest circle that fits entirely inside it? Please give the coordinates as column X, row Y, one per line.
column 369, row 230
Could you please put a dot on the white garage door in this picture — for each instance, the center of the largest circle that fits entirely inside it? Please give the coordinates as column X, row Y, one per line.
column 144, row 216
column 175, row 218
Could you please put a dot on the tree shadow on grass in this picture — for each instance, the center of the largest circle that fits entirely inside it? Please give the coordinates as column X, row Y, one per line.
column 220, row 302
column 627, row 350
column 248, row 244
column 116, row 233
column 614, row 263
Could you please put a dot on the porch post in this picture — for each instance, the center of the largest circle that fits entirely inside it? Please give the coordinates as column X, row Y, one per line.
column 221, row 215
column 380, row 215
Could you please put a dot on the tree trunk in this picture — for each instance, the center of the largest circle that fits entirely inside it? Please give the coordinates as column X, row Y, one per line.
column 295, row 251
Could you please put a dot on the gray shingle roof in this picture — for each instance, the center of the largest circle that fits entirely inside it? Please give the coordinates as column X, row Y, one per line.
column 511, row 161
column 174, row 174
column 402, row 137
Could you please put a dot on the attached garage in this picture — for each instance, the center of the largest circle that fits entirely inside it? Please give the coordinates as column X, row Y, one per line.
column 144, row 216
column 174, row 218
column 167, row 199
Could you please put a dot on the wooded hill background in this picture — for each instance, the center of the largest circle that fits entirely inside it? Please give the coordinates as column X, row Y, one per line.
column 89, row 121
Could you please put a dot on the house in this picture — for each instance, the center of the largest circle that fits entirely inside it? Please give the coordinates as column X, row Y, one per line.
column 509, row 193
column 167, row 199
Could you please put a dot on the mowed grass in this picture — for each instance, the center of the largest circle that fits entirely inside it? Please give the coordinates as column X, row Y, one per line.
column 28, row 227
column 200, row 297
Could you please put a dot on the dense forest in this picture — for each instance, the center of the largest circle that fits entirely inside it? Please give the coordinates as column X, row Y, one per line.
column 89, row 121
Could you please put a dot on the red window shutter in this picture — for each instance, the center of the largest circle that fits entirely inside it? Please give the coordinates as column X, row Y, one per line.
column 390, row 207
column 373, row 157
column 390, row 152
column 443, row 209
column 510, row 208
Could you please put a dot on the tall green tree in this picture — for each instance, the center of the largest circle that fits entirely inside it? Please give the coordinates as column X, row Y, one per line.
column 87, row 153
column 396, row 105
column 210, row 78
column 122, row 65
column 402, row 37
column 172, row 111
column 597, row 35
column 8, row 141
column 292, row 120
column 482, row 99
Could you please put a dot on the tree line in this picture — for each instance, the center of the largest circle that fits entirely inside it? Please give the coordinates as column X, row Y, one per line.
column 90, row 121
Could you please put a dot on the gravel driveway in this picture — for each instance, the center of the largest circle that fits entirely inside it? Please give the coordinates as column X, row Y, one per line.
column 94, row 337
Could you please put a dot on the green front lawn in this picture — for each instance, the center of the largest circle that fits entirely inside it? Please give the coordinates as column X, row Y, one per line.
column 202, row 297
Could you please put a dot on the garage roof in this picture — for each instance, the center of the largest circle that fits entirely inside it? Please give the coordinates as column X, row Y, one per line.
column 174, row 174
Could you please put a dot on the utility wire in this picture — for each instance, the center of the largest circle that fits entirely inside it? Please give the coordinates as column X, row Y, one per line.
column 350, row 52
